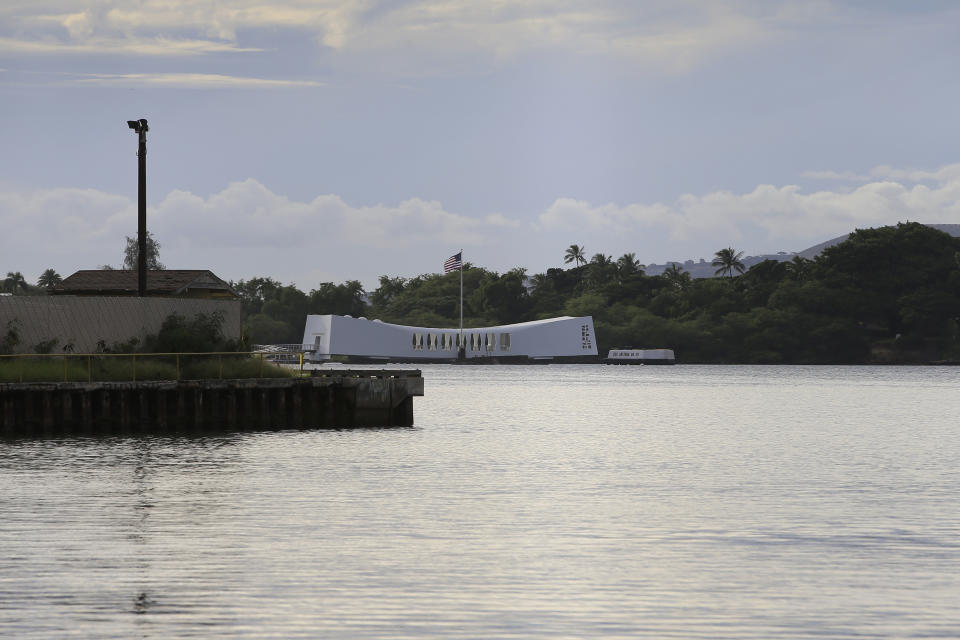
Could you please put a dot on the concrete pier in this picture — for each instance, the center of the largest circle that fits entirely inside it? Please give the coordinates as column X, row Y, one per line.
column 328, row 399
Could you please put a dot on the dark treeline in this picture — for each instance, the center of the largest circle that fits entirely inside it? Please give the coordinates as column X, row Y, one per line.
column 890, row 294
column 886, row 294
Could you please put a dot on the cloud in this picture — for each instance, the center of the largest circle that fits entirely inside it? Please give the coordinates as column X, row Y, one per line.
column 943, row 175
column 420, row 34
column 136, row 46
column 167, row 27
column 249, row 214
column 570, row 214
column 667, row 35
column 840, row 176
column 242, row 230
column 246, row 229
column 780, row 213
column 948, row 173
column 193, row 80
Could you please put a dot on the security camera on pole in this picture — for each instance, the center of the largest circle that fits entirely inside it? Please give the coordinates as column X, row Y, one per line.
column 140, row 126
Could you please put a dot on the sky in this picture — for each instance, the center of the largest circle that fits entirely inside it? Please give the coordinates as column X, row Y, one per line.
column 319, row 141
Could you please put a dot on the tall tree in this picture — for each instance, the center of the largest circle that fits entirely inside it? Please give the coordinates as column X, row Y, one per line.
column 389, row 289
column 728, row 261
column 889, row 275
column 132, row 252
column 254, row 292
column 677, row 277
column 602, row 271
column 340, row 299
column 575, row 254
column 49, row 279
column 799, row 268
column 628, row 265
column 539, row 281
column 14, row 281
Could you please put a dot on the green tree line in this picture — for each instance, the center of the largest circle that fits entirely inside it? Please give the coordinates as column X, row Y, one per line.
column 885, row 294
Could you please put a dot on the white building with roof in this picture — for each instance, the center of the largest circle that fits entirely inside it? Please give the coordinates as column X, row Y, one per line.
column 330, row 335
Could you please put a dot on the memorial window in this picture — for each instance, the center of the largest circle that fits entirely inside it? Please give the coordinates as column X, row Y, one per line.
column 504, row 342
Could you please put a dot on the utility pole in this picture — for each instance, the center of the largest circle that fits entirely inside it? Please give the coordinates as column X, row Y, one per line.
column 140, row 126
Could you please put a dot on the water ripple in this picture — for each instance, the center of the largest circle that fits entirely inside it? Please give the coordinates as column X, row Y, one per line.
column 527, row 502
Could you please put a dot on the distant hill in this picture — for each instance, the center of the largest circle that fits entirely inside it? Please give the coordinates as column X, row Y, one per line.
column 703, row 269
column 814, row 251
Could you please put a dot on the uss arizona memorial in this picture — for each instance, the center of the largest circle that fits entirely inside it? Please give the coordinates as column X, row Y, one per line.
column 330, row 335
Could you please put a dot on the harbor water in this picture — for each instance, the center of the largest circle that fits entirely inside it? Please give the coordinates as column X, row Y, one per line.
column 561, row 501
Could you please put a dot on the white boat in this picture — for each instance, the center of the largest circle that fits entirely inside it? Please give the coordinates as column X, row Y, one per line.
column 640, row 356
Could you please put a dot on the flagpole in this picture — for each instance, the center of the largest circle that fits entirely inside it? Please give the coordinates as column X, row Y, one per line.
column 461, row 299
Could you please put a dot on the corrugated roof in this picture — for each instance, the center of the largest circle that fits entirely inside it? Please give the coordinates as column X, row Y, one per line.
column 168, row 281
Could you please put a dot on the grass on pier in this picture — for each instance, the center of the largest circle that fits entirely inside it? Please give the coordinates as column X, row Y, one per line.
column 101, row 368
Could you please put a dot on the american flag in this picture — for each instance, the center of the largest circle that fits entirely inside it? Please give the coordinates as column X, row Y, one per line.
column 453, row 263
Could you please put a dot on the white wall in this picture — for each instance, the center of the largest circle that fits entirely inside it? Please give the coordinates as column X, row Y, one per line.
column 343, row 335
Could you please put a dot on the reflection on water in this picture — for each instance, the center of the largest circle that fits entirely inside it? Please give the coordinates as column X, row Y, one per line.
column 142, row 602
column 527, row 502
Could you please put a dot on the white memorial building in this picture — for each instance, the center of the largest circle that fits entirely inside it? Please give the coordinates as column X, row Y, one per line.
column 330, row 335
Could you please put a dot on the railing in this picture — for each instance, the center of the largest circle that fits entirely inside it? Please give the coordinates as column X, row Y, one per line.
column 152, row 366
column 284, row 348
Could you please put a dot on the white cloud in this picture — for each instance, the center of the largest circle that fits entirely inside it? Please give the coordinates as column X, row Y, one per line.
column 246, row 229
column 780, row 213
column 193, row 80
column 242, row 230
column 840, row 176
column 671, row 35
column 570, row 214
column 943, row 175
column 137, row 46
column 250, row 215
column 947, row 173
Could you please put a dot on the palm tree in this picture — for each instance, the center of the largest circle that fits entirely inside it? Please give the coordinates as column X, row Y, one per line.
column 677, row 277
column 574, row 254
column 49, row 279
column 539, row 281
column 602, row 270
column 628, row 265
column 799, row 268
column 728, row 261
column 14, row 281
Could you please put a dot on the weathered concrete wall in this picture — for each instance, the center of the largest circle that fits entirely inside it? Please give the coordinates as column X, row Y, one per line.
column 83, row 321
column 341, row 400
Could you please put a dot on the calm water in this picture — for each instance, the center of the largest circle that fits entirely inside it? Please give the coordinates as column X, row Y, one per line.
column 528, row 502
